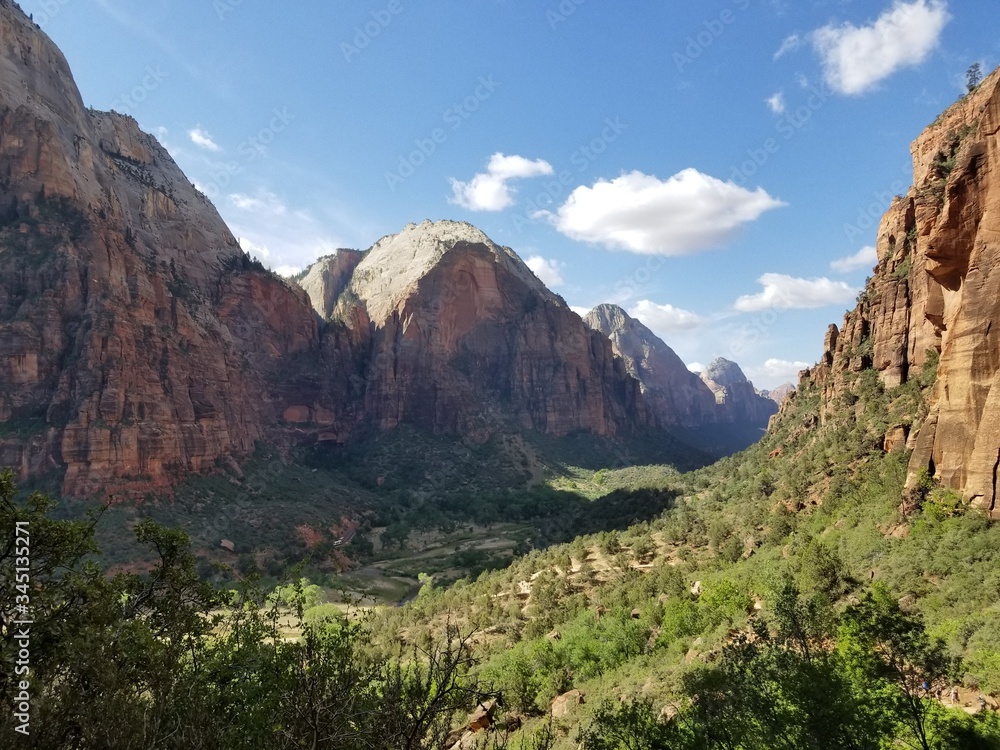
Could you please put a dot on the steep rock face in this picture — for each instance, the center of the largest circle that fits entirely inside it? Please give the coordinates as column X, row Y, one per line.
column 736, row 397
column 935, row 294
column 677, row 395
column 453, row 333
column 326, row 279
column 679, row 398
column 125, row 353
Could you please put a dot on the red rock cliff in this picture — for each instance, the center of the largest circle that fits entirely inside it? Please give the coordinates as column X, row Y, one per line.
column 139, row 343
column 453, row 333
column 936, row 292
column 135, row 339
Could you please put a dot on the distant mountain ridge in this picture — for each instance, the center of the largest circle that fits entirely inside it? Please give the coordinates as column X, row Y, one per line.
column 779, row 394
column 736, row 395
column 677, row 394
column 680, row 398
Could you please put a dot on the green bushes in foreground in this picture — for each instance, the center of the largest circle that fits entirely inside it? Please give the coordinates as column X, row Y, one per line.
column 162, row 660
column 808, row 679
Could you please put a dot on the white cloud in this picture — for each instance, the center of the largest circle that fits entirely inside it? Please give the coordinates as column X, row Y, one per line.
column 202, row 139
column 787, row 293
column 866, row 257
column 696, row 367
column 263, row 201
column 684, row 214
column 581, row 311
column 261, row 252
column 777, row 369
column 790, row 44
column 664, row 318
column 282, row 237
column 549, row 271
column 776, row 103
column 489, row 191
column 856, row 58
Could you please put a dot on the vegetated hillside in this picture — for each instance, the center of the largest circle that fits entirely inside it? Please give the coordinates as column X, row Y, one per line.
column 788, row 565
column 822, row 587
column 404, row 504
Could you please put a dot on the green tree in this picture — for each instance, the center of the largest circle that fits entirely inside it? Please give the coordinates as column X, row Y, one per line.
column 633, row 725
column 515, row 676
column 890, row 657
column 973, row 77
column 820, row 569
column 681, row 618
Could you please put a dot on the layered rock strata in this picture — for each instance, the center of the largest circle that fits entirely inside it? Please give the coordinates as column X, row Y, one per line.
column 935, row 298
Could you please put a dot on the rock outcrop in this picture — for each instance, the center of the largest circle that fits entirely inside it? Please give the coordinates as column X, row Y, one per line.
column 677, row 395
column 737, row 399
column 934, row 300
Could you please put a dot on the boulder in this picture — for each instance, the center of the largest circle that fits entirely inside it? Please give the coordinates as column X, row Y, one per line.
column 565, row 703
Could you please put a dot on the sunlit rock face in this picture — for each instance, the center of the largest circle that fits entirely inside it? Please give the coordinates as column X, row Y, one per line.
column 935, row 292
column 456, row 335
column 133, row 346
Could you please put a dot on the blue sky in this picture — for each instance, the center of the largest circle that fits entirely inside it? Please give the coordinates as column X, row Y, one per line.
column 710, row 166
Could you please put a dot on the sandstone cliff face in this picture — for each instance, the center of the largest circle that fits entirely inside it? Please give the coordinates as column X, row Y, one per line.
column 936, row 293
column 326, row 279
column 720, row 396
column 135, row 341
column 737, row 399
column 677, row 395
column 452, row 333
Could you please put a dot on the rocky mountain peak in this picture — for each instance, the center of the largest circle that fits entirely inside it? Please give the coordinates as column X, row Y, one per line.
column 674, row 393
column 394, row 265
column 724, row 372
column 37, row 69
column 677, row 395
column 737, row 395
column 128, row 313
column 51, row 145
column 779, row 394
column 326, row 279
column 608, row 318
